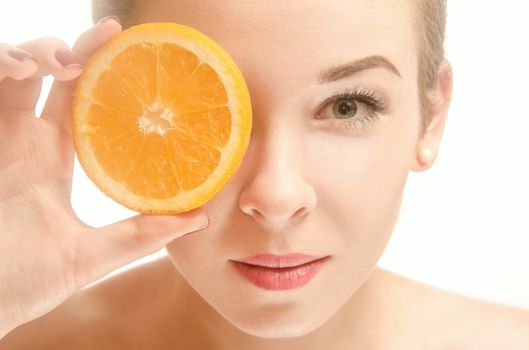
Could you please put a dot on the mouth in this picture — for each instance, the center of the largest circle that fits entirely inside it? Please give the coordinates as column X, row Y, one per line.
column 279, row 261
column 280, row 273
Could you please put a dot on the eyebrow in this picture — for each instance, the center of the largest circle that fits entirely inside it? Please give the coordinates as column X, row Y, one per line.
column 348, row 69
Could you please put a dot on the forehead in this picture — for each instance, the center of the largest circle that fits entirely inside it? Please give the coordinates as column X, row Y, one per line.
column 276, row 39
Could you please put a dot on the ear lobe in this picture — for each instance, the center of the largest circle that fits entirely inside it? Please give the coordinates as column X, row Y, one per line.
column 439, row 98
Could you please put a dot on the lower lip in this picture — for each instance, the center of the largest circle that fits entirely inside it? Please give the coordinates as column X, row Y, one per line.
column 280, row 278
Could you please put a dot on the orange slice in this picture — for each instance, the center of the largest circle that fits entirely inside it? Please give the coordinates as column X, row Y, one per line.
column 161, row 118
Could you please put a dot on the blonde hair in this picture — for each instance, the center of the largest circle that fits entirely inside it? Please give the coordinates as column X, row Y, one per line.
column 431, row 23
column 431, row 26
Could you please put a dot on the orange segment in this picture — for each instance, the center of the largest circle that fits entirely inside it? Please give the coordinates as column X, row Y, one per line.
column 113, row 91
column 161, row 118
column 194, row 160
column 174, row 74
column 205, row 91
column 210, row 126
column 137, row 68
column 114, row 139
column 152, row 160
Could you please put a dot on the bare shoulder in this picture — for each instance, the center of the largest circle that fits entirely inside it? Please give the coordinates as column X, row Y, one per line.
column 95, row 317
column 454, row 321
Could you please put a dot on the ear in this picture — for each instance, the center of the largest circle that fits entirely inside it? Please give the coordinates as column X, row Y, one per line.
column 439, row 97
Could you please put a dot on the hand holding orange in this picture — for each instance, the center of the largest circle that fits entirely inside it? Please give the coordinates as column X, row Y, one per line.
column 161, row 118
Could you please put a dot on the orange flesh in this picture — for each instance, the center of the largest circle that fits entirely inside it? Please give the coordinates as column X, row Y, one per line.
column 159, row 120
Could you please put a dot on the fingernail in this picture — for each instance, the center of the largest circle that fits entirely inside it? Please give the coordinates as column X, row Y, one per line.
column 20, row 55
column 104, row 19
column 66, row 58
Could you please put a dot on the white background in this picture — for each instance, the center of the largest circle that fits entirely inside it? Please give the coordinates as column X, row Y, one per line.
column 464, row 224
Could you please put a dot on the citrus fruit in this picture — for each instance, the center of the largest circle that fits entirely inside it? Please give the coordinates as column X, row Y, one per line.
column 161, row 118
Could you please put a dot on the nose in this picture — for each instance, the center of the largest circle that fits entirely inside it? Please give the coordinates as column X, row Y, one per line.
column 277, row 195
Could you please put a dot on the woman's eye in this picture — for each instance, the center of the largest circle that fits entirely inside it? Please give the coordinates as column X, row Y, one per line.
column 345, row 109
column 350, row 111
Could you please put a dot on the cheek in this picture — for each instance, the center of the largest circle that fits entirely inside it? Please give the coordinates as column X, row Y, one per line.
column 359, row 181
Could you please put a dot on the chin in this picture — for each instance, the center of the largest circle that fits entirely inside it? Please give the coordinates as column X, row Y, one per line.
column 272, row 330
column 279, row 321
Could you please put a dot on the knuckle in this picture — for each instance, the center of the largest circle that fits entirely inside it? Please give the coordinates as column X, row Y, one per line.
column 44, row 48
column 16, row 63
column 4, row 48
column 17, row 71
column 45, row 41
column 7, row 67
column 17, row 74
column 137, row 235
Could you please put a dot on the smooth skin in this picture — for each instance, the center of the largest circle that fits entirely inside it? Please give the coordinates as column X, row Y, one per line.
column 301, row 187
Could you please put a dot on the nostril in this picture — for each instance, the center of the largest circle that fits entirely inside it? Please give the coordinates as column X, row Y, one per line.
column 300, row 212
column 254, row 213
column 299, row 215
column 257, row 213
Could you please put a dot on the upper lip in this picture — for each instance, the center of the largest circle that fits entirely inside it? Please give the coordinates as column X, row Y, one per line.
column 279, row 261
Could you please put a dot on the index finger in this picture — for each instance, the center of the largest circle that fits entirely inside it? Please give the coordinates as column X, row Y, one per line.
column 58, row 105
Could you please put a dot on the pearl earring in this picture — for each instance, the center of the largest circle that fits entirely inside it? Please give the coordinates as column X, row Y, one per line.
column 425, row 155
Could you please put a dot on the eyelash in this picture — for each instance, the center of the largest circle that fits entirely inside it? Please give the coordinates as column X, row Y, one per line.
column 375, row 107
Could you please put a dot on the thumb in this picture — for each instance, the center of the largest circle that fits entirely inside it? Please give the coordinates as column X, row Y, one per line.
column 102, row 250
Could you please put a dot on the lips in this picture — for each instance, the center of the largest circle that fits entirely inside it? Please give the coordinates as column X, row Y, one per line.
column 275, row 272
column 279, row 261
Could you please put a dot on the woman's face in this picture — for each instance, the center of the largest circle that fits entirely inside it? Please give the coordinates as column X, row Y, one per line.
column 319, row 177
